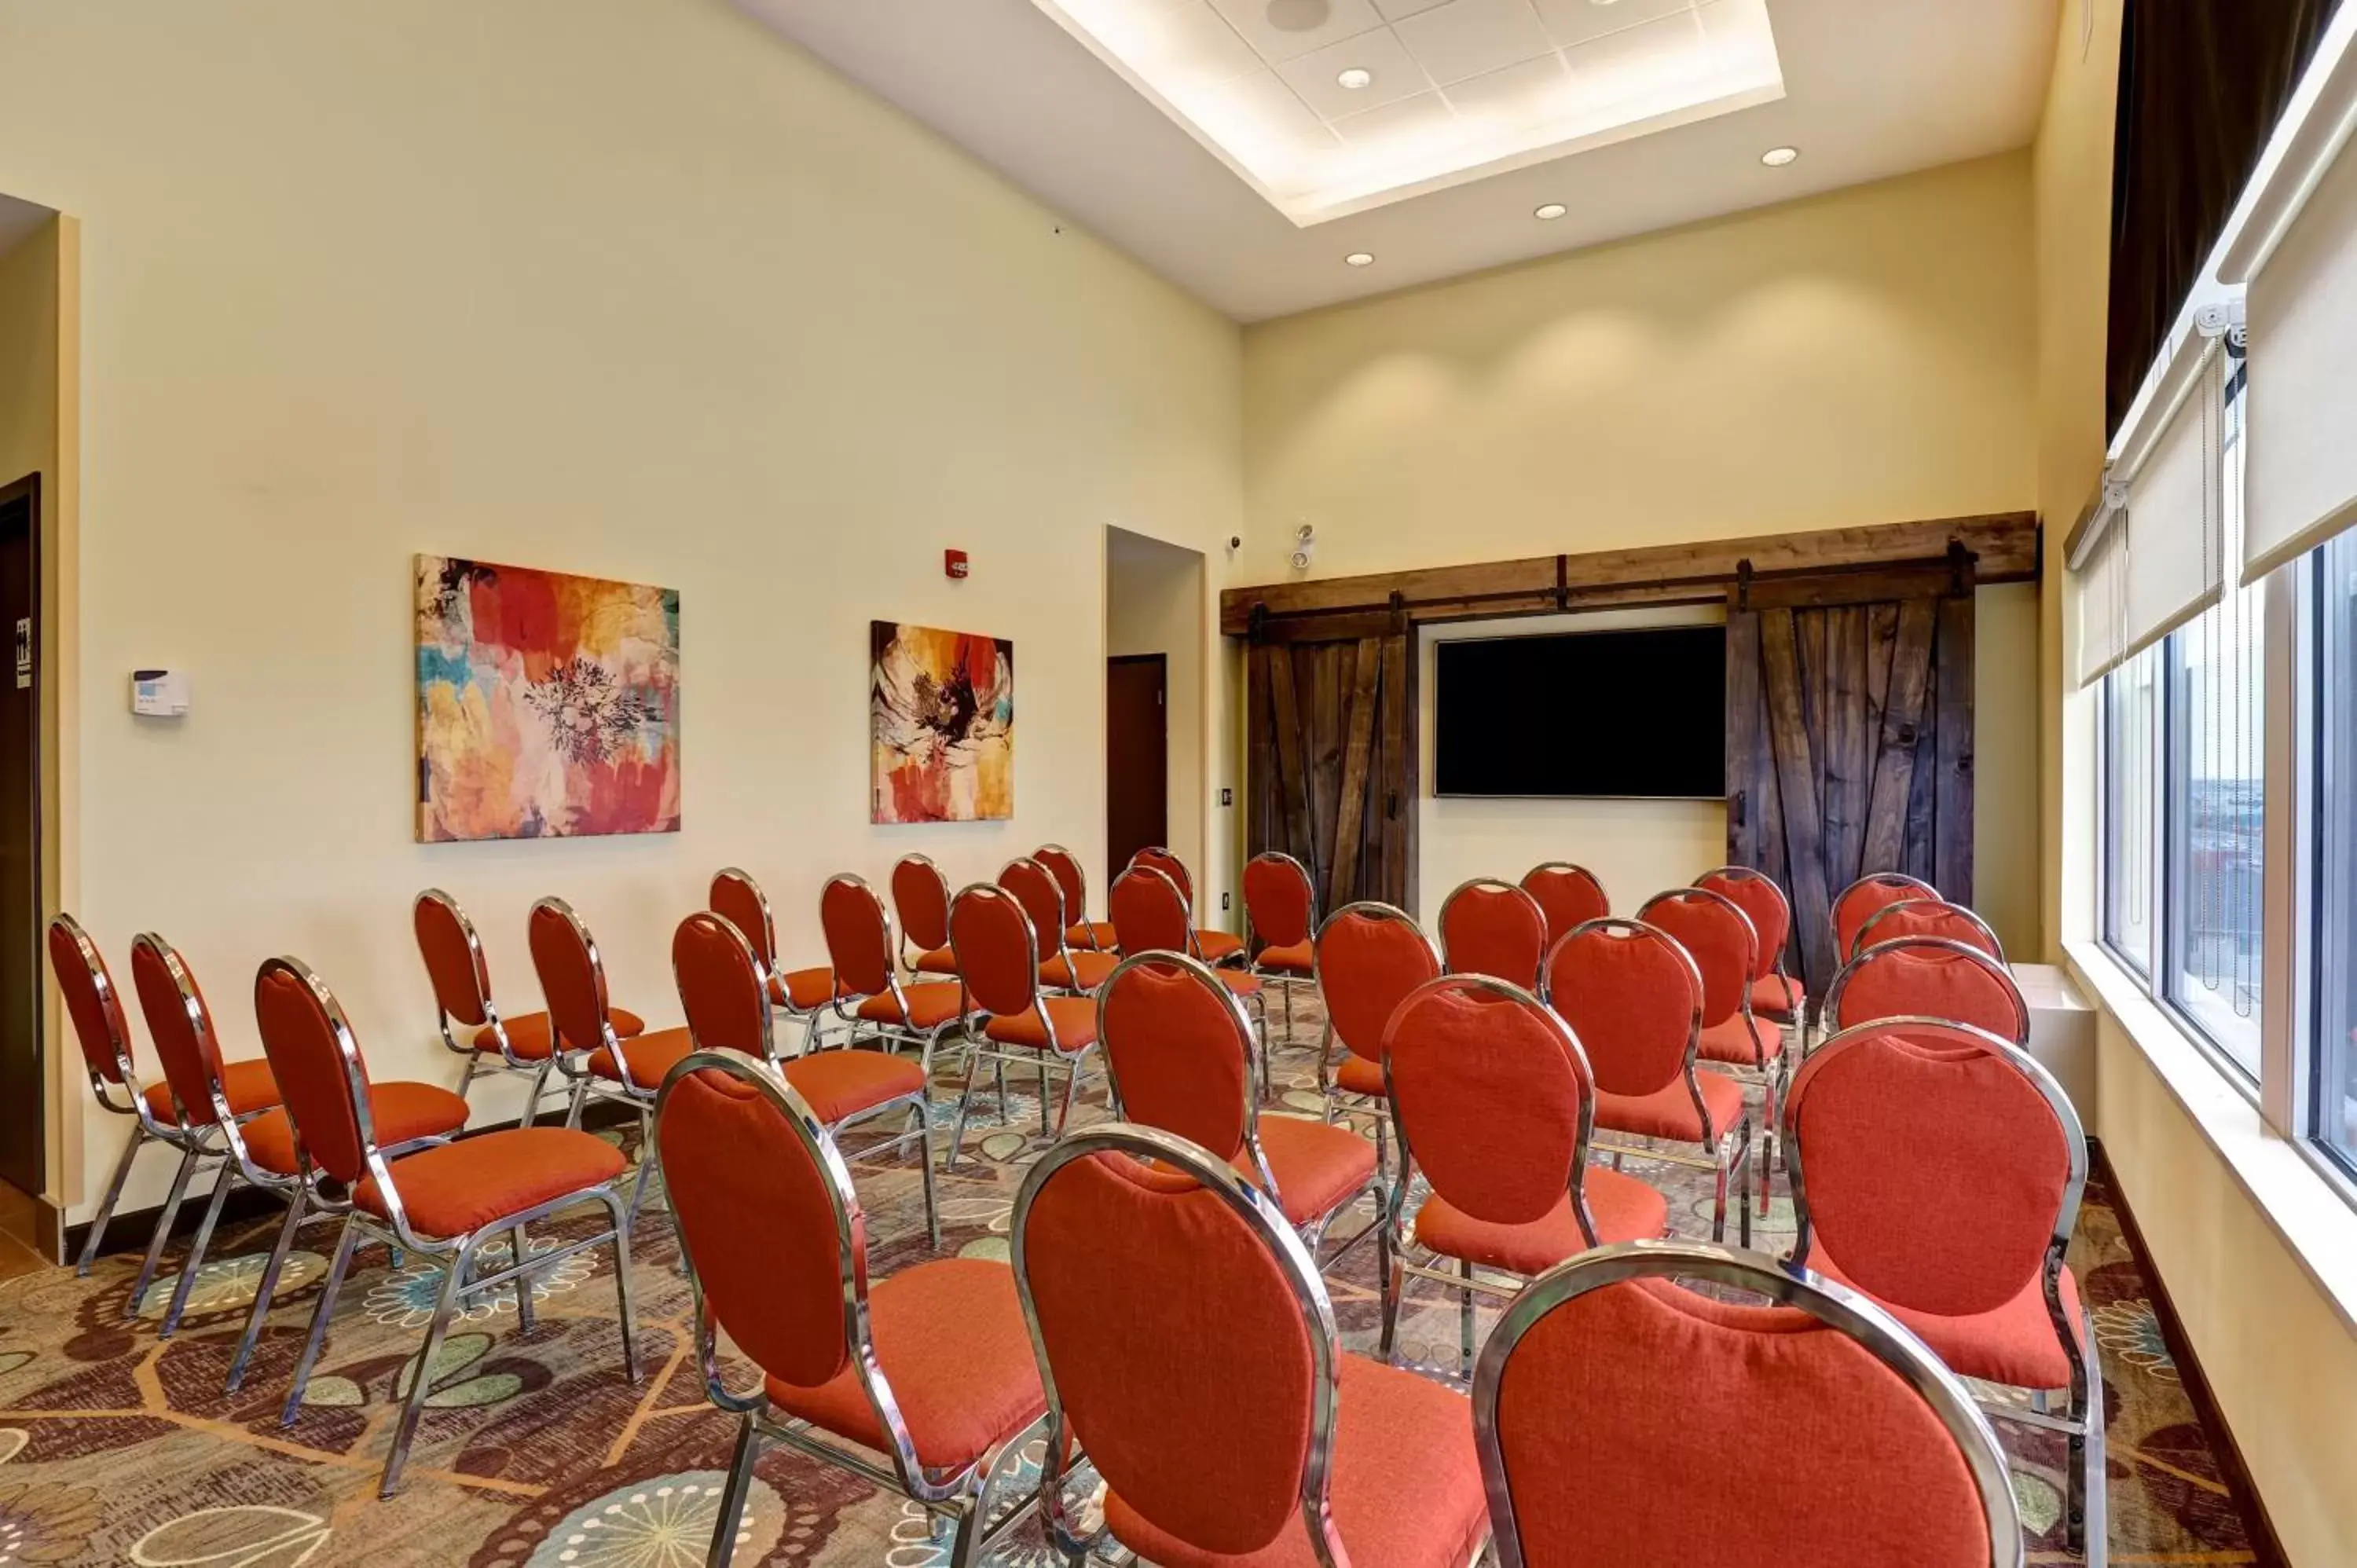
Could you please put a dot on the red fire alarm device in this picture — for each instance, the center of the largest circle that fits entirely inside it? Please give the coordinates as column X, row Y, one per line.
column 953, row 563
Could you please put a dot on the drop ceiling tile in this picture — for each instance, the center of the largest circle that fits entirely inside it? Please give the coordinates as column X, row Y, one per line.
column 1575, row 21
column 1173, row 44
column 1262, row 125
column 1422, row 117
column 1526, row 96
column 1281, row 30
column 1653, row 60
column 1393, row 10
column 1738, row 34
column 1397, row 76
column 1468, row 37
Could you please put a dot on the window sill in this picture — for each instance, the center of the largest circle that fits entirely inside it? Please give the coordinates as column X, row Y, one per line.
column 2312, row 1212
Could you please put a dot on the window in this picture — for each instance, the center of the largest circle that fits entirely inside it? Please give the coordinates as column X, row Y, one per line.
column 2130, row 825
column 2331, row 700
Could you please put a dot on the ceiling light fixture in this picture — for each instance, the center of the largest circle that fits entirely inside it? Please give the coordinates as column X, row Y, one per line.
column 1777, row 157
column 1550, row 212
column 1360, row 258
column 1355, row 78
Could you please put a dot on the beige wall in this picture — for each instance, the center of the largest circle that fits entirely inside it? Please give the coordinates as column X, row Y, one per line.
column 28, row 357
column 1155, row 604
column 603, row 285
column 1860, row 358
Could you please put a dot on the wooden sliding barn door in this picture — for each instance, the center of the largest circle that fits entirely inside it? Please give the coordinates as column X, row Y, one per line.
column 1849, row 739
column 1331, row 766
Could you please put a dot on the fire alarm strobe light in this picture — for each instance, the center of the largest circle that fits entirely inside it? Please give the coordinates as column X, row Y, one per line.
column 953, row 563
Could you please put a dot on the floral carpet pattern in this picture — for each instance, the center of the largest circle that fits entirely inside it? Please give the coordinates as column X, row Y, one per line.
column 118, row 1448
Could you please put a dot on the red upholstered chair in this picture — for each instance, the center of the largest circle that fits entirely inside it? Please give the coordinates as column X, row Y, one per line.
column 1281, row 921
column 1775, row 995
column 1062, row 967
column 1606, row 1395
column 1493, row 928
column 1633, row 999
column 1180, row 1052
column 1926, row 917
column 801, row 995
column 920, row 897
column 1571, row 894
column 1719, row 937
column 1938, row 1169
column 997, row 944
column 446, row 1201
column 1856, row 903
column 930, row 1367
column 1369, row 956
column 859, row 944
column 1096, row 936
column 1929, row 977
column 1189, row 1347
column 730, row 1002
column 1492, row 1092
column 1152, row 915
column 1212, row 947
column 470, row 1021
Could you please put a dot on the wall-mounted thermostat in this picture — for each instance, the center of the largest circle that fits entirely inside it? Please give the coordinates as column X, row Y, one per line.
column 159, row 693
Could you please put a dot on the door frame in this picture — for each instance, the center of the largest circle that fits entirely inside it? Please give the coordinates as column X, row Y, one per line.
column 28, row 489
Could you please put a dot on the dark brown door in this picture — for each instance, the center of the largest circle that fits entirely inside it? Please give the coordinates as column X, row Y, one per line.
column 1332, row 765
column 21, row 1092
column 1138, row 757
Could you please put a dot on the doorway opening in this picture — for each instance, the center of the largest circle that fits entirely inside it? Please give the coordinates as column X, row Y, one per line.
column 1153, row 701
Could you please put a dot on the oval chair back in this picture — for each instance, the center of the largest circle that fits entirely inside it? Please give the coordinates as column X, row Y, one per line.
column 1179, row 1049
column 93, row 1005
column 1569, row 895
column 1717, row 934
column 1150, row 912
column 1042, row 898
column 1154, row 857
column 180, row 1027
column 1760, row 899
column 920, row 896
column 723, row 989
column 1280, row 902
column 1899, row 1119
column 736, row 898
column 455, row 965
column 1927, row 918
column 1207, row 1401
column 1493, row 1095
column 1856, row 903
column 572, row 978
column 858, row 936
column 1929, row 977
column 1070, row 880
column 1632, row 998
column 998, row 948
column 1369, row 956
column 1586, row 1464
column 320, row 1073
column 1493, row 928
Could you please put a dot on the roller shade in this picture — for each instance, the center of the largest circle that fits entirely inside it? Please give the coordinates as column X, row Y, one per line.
column 2100, row 596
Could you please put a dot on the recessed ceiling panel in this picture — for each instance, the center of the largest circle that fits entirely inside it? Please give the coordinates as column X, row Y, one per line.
column 1332, row 107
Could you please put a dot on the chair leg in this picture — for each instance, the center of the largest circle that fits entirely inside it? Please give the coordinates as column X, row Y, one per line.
column 1743, row 1179
column 1045, row 1091
column 346, row 1245
column 965, row 1103
column 1465, row 1320
column 732, row 1497
column 139, row 1134
column 646, row 1161
column 517, row 1245
column 629, row 1324
column 170, row 1211
column 1072, row 1091
column 1718, row 1194
column 1395, row 1284
column 925, row 1175
column 579, row 1100
column 269, row 1286
column 195, row 1260
column 2089, row 1469
column 453, row 1283
column 539, row 1088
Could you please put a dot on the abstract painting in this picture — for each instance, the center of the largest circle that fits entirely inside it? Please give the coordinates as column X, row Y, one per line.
column 547, row 704
column 943, row 705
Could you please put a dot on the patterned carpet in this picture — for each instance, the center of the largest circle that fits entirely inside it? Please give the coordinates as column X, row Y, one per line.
column 115, row 1448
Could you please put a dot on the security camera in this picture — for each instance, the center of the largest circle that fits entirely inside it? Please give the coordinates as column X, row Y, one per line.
column 1235, row 543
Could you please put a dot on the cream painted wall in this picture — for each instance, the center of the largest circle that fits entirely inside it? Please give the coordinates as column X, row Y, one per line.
column 28, row 357
column 607, row 285
column 1859, row 358
column 1155, row 604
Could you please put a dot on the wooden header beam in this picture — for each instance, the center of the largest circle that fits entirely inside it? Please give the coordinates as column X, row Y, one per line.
column 2004, row 547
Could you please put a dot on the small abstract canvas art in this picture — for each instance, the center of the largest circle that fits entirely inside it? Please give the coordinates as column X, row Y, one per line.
column 548, row 704
column 942, row 707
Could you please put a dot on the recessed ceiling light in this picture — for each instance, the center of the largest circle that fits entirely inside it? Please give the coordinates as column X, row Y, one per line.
column 1357, row 76
column 1553, row 209
column 1360, row 258
column 1777, row 157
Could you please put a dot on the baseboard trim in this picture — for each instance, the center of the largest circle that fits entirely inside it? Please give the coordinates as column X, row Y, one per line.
column 2196, row 1383
column 134, row 1230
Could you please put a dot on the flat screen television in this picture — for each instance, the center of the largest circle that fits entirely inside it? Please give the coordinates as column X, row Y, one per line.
column 1629, row 714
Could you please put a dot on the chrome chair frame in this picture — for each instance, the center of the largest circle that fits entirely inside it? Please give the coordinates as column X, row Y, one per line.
column 395, row 1232
column 2086, row 1505
column 957, row 1494
column 1972, row 918
column 1077, row 918
column 1342, row 1101
column 1916, row 888
column 899, row 927
column 1771, row 1078
column 847, row 1008
column 1259, row 1006
column 1830, row 1304
column 1313, row 1233
column 980, row 1048
column 1713, row 1138
column 810, row 1019
column 1594, row 880
column 1062, row 922
column 587, row 1085
column 1491, row 885
column 1186, row 896
column 538, row 1072
column 1753, row 874
column 1948, row 946
column 1284, row 980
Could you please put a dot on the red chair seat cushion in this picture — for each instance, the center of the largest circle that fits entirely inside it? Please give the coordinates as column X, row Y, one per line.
column 477, row 1182
column 2015, row 1345
column 1669, row 1112
column 1075, row 1018
column 1243, row 984
column 1624, row 1209
column 649, row 1058
column 1318, row 1167
column 1299, row 958
column 951, row 1341
column 1727, row 1041
column 1093, row 969
column 246, row 1085
column 399, row 1112
column 841, row 1084
column 529, row 1035
column 1218, row 946
column 1405, row 1483
column 1354, row 1074
column 930, row 1004
column 936, row 961
column 1778, row 996
column 1097, row 934
column 804, row 990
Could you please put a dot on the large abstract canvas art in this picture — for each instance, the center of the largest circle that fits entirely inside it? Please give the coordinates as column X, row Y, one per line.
column 943, row 705
column 548, row 704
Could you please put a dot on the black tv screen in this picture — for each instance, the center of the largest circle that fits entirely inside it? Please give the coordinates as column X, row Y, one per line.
column 1639, row 713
